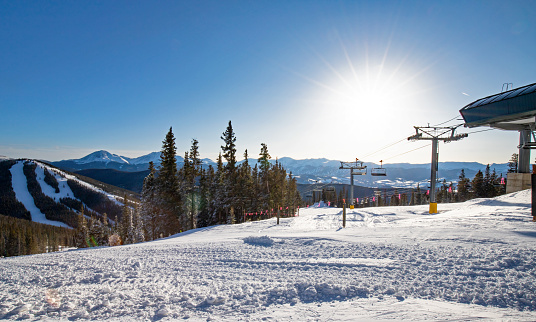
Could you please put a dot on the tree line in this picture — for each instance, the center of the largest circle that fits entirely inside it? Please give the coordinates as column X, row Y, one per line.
column 485, row 184
column 193, row 196
column 23, row 237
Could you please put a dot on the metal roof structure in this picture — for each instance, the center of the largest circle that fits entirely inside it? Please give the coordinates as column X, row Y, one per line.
column 511, row 110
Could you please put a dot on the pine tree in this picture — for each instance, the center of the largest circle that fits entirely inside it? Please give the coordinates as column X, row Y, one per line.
column 191, row 171
column 82, row 231
column 139, row 233
column 230, row 175
column 513, row 163
column 245, row 187
column 169, row 202
column 149, row 212
column 489, row 188
column 205, row 198
column 229, row 149
column 264, row 176
column 94, row 231
column 219, row 193
column 126, row 231
column 463, row 187
column 478, row 185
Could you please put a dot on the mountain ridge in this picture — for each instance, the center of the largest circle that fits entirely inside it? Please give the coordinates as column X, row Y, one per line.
column 311, row 170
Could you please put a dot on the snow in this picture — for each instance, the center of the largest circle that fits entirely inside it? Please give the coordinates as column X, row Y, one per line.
column 20, row 187
column 473, row 260
column 65, row 190
column 62, row 178
column 101, row 156
column 153, row 156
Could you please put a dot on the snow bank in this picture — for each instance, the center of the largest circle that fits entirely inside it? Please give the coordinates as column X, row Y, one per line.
column 260, row 241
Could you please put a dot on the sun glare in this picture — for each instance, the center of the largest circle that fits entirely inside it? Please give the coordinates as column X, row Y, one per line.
column 367, row 100
column 367, row 93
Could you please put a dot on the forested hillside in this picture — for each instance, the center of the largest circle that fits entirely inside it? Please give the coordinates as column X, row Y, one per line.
column 45, row 198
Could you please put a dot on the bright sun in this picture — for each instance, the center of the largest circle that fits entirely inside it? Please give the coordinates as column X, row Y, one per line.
column 375, row 91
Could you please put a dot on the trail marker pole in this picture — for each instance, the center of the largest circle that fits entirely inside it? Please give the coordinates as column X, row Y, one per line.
column 344, row 215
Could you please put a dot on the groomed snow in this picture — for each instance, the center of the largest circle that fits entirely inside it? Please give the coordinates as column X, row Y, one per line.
column 64, row 187
column 473, row 260
column 65, row 190
column 20, row 187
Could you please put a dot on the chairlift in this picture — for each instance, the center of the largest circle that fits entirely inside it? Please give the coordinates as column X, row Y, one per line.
column 330, row 189
column 381, row 171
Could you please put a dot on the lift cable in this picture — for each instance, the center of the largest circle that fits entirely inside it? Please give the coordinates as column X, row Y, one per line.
column 480, row 131
column 385, row 147
column 452, row 119
column 393, row 156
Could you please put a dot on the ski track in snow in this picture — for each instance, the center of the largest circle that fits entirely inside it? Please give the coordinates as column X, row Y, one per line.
column 471, row 261
column 20, row 186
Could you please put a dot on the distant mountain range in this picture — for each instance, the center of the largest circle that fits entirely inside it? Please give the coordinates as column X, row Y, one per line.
column 306, row 171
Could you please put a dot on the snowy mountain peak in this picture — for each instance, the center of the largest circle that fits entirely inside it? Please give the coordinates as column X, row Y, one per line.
column 102, row 156
column 154, row 157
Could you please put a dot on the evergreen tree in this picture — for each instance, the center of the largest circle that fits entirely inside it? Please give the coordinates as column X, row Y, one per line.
column 418, row 196
column 478, row 185
column 191, row 171
column 489, row 188
column 513, row 163
column 194, row 157
column 149, row 210
column 245, row 187
column 463, row 187
column 139, row 233
column 264, row 176
column 217, row 186
column 82, row 231
column 230, row 175
column 168, row 187
column 205, row 197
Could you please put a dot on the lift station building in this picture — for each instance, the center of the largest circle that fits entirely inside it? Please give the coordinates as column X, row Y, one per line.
column 512, row 110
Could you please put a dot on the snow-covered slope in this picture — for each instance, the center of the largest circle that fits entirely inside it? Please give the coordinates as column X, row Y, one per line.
column 19, row 183
column 472, row 261
column 20, row 187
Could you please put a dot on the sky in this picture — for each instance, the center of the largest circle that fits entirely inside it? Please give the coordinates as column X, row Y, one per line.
column 311, row 79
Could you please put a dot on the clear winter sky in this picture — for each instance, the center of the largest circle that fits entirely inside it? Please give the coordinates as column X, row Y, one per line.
column 311, row 79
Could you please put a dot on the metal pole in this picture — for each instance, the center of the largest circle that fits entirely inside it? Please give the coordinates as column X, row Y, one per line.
column 524, row 154
column 351, row 186
column 344, row 215
column 434, row 166
column 533, row 181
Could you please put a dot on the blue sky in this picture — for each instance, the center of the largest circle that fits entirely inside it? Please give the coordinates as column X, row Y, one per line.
column 311, row 79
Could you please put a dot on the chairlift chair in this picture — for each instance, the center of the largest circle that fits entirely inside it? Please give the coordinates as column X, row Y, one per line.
column 381, row 171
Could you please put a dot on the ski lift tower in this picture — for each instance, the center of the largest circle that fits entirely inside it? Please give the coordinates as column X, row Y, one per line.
column 360, row 169
column 435, row 134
